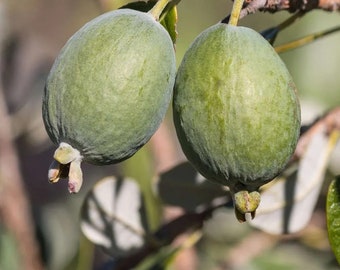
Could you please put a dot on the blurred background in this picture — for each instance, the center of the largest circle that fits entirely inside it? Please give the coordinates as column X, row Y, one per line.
column 32, row 32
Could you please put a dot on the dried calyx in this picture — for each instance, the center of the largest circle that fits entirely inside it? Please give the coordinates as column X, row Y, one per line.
column 66, row 164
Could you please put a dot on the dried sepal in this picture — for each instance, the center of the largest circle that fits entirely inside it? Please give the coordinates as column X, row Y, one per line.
column 66, row 164
column 57, row 171
column 75, row 176
column 246, row 202
column 65, row 153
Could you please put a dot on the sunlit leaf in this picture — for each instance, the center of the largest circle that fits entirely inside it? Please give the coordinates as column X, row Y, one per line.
column 183, row 186
column 288, row 203
column 169, row 21
column 333, row 216
column 112, row 216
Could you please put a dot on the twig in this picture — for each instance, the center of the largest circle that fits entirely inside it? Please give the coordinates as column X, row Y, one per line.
column 289, row 5
column 305, row 40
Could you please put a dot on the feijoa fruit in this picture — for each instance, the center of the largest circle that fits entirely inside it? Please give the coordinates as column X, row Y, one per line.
column 236, row 111
column 108, row 90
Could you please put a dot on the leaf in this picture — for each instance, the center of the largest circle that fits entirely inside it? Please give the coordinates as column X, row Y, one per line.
column 305, row 40
column 183, row 186
column 333, row 216
column 166, row 256
column 169, row 21
column 140, row 5
column 288, row 203
column 271, row 33
column 113, row 216
column 140, row 167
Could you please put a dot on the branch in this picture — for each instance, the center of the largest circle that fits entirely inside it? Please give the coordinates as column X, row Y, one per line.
column 14, row 204
column 292, row 6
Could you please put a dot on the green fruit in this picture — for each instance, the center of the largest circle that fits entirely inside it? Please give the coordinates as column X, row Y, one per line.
column 236, row 111
column 109, row 88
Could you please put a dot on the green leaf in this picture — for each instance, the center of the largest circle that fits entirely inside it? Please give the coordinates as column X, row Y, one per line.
column 169, row 21
column 333, row 216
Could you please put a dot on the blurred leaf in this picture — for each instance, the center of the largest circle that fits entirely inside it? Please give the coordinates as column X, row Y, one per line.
column 224, row 228
column 183, row 186
column 113, row 216
column 271, row 33
column 333, row 216
column 157, row 261
column 140, row 167
column 305, row 40
column 166, row 256
column 60, row 231
column 165, row 236
column 8, row 250
column 288, row 203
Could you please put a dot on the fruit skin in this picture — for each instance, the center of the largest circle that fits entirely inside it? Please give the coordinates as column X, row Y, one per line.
column 236, row 110
column 110, row 86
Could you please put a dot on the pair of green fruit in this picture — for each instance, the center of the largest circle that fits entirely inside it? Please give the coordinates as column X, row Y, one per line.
column 236, row 111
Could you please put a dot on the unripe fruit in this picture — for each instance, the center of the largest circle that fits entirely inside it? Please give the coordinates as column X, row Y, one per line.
column 109, row 88
column 236, row 111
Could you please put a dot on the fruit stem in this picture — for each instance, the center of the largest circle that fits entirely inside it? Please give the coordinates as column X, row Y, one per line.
column 235, row 12
column 158, row 8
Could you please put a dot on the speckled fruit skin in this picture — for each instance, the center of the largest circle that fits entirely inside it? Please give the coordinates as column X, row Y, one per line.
column 236, row 110
column 110, row 86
